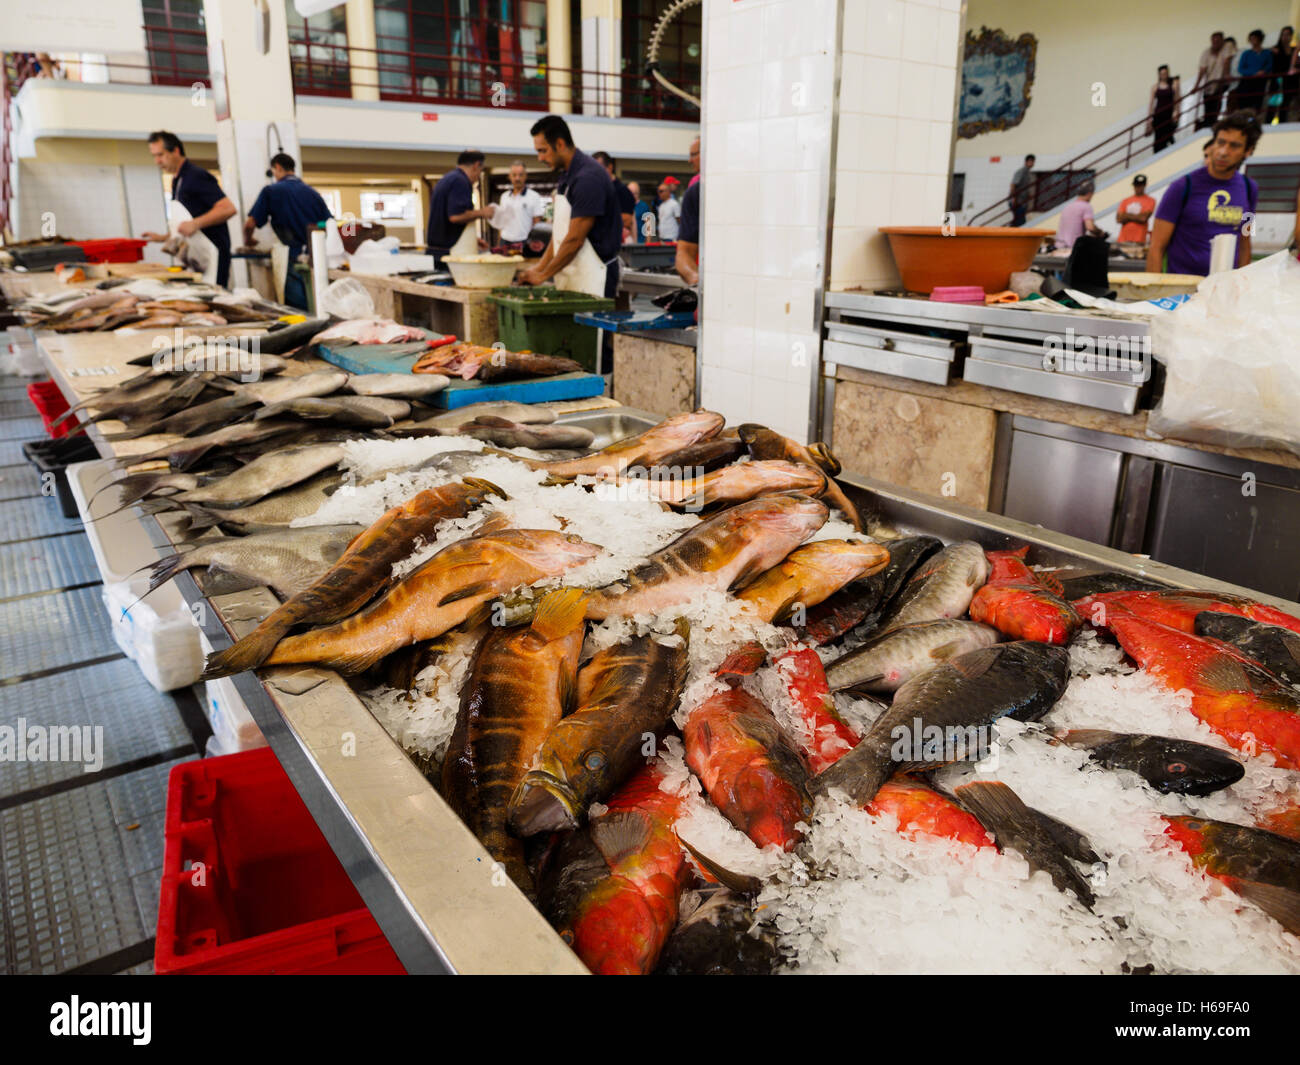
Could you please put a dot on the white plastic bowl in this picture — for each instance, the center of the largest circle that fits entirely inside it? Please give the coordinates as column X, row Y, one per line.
column 483, row 271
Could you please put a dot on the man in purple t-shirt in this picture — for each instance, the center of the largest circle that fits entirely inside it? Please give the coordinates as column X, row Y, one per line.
column 1207, row 202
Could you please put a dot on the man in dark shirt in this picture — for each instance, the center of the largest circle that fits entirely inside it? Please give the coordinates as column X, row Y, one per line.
column 1020, row 182
column 199, row 193
column 687, row 263
column 626, row 201
column 593, row 206
column 452, row 205
column 293, row 209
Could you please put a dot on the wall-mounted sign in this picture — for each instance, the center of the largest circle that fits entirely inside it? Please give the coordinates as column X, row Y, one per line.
column 72, row 26
column 997, row 74
column 429, row 116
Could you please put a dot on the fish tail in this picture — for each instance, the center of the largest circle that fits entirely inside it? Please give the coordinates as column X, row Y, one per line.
column 248, row 652
column 860, row 775
column 559, row 613
column 337, row 647
column 485, row 486
column 165, row 569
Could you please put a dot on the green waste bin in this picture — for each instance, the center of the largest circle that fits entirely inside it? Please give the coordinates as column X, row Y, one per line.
column 540, row 319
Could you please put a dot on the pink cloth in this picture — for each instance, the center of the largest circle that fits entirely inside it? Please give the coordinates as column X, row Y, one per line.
column 1074, row 218
column 693, row 181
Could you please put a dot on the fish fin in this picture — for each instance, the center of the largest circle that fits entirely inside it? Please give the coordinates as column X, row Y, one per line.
column 481, row 615
column 495, row 524
column 682, row 628
column 1087, row 738
column 945, row 651
column 559, row 613
column 1281, row 904
column 859, row 775
column 862, row 682
column 742, row 883
column 467, row 591
column 355, row 662
column 1225, row 674
column 485, row 486
column 751, row 571
column 621, row 835
column 1005, row 815
column 246, row 653
column 493, row 421
column 976, row 663
column 1073, row 843
column 743, row 661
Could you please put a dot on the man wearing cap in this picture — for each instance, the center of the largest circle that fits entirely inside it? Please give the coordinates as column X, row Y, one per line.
column 1134, row 212
column 670, row 209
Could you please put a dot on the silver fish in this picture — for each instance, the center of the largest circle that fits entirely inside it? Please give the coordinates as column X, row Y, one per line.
column 505, row 433
column 267, row 473
column 943, row 586
column 279, row 508
column 400, row 385
column 526, row 413
column 185, row 453
column 286, row 561
column 299, row 386
column 369, row 411
column 887, row 660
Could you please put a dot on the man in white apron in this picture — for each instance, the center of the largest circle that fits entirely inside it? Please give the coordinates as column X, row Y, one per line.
column 587, row 227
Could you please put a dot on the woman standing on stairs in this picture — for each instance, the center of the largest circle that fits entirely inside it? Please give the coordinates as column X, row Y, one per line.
column 1160, row 112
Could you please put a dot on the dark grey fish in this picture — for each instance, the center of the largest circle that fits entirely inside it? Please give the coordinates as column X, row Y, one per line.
column 1084, row 584
column 1178, row 767
column 719, row 933
column 1273, row 647
column 185, row 453
column 889, row 659
column 864, row 603
column 279, row 508
column 1048, row 845
column 959, row 699
column 201, row 417
column 941, row 588
column 296, row 386
column 267, row 473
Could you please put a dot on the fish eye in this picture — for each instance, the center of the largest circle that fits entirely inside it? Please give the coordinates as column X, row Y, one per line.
column 1176, row 767
column 594, row 760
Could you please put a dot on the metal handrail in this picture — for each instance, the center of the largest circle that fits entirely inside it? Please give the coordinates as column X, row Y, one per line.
column 1117, row 153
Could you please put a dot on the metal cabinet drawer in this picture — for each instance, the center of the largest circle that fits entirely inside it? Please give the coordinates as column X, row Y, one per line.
column 1063, row 485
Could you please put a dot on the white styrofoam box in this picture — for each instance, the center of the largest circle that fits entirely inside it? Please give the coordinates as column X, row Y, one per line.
column 165, row 645
column 26, row 360
column 232, row 725
column 384, row 264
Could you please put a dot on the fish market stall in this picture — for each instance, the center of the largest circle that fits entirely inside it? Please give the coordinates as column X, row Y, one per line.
column 462, row 312
column 365, row 754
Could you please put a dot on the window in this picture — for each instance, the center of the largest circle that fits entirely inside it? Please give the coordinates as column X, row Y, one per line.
column 318, row 52
column 679, row 60
column 448, row 50
column 1051, row 188
column 176, row 40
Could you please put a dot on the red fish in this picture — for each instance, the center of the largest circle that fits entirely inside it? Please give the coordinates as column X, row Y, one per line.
column 613, row 888
column 751, row 770
column 1284, row 820
column 1178, row 608
column 1017, row 603
column 1243, row 703
column 1260, row 866
column 920, row 810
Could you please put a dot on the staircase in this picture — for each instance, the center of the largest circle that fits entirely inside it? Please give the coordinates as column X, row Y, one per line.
column 1102, row 162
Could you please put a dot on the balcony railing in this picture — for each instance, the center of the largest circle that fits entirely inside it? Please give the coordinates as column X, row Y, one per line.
column 1128, row 147
column 321, row 66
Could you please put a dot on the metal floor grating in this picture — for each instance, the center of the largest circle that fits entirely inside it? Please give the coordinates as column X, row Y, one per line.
column 30, row 518
column 11, row 453
column 17, row 482
column 15, row 403
column 54, row 630
column 29, row 428
column 39, row 565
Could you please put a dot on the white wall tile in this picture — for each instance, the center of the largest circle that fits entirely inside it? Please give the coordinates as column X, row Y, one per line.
column 747, row 86
column 806, row 199
column 854, row 34
column 884, row 27
column 741, row 250
column 775, row 257
column 769, row 303
column 738, row 347
column 943, row 104
column 920, row 28
column 744, row 35
column 946, row 41
column 853, row 84
column 880, row 87
column 875, row 199
column 769, row 401
column 940, row 147
column 877, row 147
column 743, row 147
column 912, row 148
column 776, row 193
column 908, row 205
column 915, row 90
column 738, row 298
column 776, row 135
column 771, row 354
column 812, row 141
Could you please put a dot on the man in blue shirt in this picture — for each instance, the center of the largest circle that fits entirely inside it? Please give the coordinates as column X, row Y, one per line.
column 1253, row 65
column 452, row 205
column 687, row 263
column 626, row 201
column 199, row 193
column 293, row 209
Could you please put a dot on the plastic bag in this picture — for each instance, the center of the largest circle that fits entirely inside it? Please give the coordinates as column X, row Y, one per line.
column 347, row 298
column 1233, row 359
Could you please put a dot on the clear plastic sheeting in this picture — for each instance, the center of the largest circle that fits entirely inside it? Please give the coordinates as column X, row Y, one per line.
column 1233, row 358
column 347, row 298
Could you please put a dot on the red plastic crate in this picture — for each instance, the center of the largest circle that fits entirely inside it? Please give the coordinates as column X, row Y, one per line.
column 50, row 404
column 112, row 250
column 250, row 885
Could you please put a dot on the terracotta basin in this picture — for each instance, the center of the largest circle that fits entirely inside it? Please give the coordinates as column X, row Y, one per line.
column 967, row 255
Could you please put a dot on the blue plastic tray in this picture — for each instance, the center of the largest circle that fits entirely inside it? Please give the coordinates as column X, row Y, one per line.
column 634, row 321
column 578, row 385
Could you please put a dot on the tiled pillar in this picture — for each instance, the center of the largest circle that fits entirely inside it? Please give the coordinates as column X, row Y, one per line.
column 822, row 120
column 767, row 124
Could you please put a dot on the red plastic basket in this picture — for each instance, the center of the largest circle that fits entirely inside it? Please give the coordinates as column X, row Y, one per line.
column 250, row 885
column 50, row 403
column 112, row 250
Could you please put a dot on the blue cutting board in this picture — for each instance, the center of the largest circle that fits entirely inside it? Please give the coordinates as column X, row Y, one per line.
column 381, row 358
column 578, row 385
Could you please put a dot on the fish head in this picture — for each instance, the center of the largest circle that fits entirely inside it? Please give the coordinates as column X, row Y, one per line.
column 789, row 515
column 1221, row 626
column 547, row 551
column 827, row 461
column 1172, row 766
column 682, row 430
